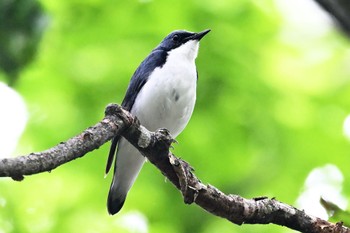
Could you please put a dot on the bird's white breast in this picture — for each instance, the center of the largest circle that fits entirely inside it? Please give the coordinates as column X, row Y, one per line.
column 168, row 97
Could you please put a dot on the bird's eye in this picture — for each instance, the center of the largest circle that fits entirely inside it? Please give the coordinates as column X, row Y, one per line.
column 176, row 38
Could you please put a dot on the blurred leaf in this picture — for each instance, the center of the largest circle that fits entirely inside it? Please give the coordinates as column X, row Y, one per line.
column 22, row 23
column 336, row 214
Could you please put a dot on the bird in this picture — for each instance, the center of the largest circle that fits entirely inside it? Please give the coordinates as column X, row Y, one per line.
column 161, row 94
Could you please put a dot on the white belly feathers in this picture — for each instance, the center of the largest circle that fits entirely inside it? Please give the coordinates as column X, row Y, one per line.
column 167, row 99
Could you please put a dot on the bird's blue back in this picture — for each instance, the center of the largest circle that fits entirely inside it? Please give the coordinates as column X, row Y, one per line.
column 156, row 59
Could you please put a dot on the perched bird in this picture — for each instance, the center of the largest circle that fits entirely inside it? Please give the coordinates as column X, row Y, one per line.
column 161, row 94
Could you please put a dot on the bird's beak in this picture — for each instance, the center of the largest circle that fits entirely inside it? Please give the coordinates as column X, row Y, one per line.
column 198, row 36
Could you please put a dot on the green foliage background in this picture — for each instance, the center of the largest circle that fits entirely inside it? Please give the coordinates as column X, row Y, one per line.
column 270, row 108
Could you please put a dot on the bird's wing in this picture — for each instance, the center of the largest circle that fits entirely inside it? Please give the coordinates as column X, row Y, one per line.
column 156, row 59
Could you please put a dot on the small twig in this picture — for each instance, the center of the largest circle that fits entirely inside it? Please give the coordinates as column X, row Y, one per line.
column 183, row 171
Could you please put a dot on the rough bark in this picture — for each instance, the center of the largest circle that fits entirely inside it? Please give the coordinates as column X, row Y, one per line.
column 45, row 161
column 155, row 146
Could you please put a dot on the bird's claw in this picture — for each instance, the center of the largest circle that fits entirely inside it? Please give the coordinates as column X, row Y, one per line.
column 166, row 133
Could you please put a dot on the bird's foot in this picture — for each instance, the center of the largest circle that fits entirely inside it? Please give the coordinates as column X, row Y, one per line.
column 165, row 135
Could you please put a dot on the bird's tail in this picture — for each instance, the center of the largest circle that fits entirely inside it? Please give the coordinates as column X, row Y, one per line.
column 116, row 199
column 128, row 165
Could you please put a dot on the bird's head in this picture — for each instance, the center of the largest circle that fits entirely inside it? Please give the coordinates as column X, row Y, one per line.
column 183, row 42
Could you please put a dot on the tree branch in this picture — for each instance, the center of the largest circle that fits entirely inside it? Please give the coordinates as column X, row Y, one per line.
column 45, row 161
column 155, row 146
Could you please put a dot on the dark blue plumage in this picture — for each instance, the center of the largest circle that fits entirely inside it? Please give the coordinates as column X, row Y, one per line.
column 156, row 59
